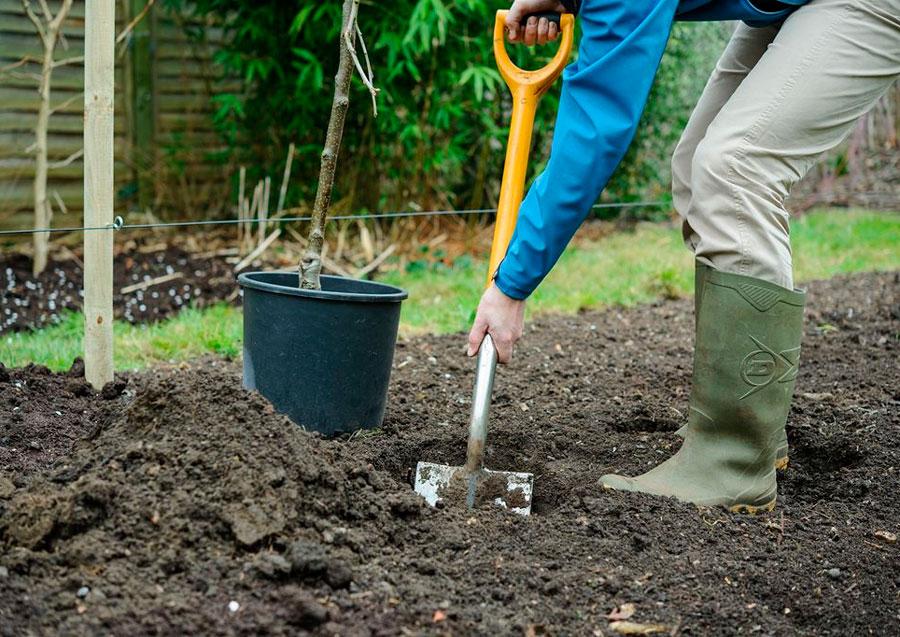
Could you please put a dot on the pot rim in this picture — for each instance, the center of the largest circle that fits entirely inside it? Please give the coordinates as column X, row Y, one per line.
column 388, row 293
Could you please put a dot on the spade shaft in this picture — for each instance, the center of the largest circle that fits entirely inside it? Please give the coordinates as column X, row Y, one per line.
column 481, row 404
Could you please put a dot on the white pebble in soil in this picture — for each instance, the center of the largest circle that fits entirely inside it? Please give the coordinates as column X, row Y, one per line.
column 233, row 606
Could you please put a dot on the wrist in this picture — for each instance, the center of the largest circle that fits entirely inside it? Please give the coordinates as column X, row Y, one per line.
column 508, row 289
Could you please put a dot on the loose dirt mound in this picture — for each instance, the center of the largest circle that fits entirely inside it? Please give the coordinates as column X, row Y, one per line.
column 197, row 495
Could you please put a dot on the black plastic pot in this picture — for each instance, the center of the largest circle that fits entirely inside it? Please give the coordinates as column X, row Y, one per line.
column 323, row 357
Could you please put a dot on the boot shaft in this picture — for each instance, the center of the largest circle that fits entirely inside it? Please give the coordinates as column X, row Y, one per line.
column 746, row 356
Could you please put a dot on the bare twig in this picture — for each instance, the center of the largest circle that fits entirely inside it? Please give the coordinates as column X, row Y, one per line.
column 262, row 247
column 282, row 193
column 60, row 202
column 242, row 180
column 36, row 21
column 76, row 59
column 381, row 258
column 78, row 154
column 367, row 78
column 264, row 211
column 143, row 285
column 22, row 62
column 130, row 26
column 64, row 104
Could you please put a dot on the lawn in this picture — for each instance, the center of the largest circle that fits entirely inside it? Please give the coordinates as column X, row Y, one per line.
column 625, row 268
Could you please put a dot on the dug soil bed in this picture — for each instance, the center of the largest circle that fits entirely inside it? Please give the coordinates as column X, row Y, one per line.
column 178, row 503
column 149, row 283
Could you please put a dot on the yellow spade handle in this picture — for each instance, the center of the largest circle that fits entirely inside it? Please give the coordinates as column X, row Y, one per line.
column 526, row 87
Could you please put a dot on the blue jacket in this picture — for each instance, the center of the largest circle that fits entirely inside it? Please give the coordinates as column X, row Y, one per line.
column 603, row 95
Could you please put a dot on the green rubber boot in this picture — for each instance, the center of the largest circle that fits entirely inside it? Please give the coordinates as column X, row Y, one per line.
column 745, row 363
column 781, row 449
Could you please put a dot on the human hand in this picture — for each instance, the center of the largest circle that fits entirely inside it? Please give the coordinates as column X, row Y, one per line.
column 533, row 31
column 500, row 316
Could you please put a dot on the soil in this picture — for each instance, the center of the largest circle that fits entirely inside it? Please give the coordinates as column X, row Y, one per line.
column 184, row 504
column 194, row 280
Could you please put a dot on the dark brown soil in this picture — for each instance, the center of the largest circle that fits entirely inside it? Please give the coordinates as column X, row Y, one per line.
column 199, row 280
column 187, row 493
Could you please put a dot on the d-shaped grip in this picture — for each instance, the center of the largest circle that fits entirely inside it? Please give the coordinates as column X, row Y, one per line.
column 537, row 81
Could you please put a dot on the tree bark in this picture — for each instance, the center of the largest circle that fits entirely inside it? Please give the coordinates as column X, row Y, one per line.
column 42, row 213
column 311, row 262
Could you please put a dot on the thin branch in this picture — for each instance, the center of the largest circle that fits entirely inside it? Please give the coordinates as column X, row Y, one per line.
column 48, row 15
column 353, row 29
column 130, row 26
column 282, row 194
column 78, row 154
column 36, row 21
column 65, row 103
column 381, row 258
column 72, row 60
column 60, row 202
column 262, row 247
column 25, row 60
column 63, row 13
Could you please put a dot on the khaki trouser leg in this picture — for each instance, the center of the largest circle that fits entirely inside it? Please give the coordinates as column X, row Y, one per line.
column 746, row 46
column 755, row 134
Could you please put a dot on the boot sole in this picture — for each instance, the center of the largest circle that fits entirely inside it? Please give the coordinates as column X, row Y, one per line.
column 750, row 509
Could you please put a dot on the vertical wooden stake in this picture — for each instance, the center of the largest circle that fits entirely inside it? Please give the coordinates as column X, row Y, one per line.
column 99, row 69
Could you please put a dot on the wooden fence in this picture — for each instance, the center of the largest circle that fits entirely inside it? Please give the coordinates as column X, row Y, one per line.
column 165, row 143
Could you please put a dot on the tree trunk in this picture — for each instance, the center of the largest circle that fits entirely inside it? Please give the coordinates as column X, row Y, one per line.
column 41, row 240
column 311, row 262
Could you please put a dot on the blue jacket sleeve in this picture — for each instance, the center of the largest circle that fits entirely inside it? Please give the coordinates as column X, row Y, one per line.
column 603, row 95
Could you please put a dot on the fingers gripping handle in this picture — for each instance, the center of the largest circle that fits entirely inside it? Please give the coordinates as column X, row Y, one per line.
column 552, row 16
column 540, row 80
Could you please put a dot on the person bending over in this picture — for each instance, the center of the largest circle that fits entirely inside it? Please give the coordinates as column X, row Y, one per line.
column 789, row 86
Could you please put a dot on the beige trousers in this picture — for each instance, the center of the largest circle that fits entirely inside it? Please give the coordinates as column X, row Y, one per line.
column 778, row 98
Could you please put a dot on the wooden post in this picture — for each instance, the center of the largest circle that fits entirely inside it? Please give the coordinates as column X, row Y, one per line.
column 142, row 105
column 99, row 73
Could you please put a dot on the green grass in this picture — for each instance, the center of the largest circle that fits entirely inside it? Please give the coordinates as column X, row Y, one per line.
column 623, row 269
column 190, row 334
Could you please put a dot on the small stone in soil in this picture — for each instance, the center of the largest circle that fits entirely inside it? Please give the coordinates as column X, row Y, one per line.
column 83, row 592
column 834, row 573
column 233, row 606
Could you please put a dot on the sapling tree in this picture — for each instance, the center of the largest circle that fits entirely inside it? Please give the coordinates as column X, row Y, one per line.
column 49, row 30
column 311, row 261
column 48, row 27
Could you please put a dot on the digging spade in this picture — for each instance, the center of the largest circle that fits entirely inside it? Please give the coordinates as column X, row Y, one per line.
column 472, row 481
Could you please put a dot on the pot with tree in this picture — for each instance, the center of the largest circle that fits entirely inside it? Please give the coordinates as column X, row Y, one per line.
column 321, row 348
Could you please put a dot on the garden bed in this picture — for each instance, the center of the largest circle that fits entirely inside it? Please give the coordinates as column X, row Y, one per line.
column 150, row 283
column 176, row 502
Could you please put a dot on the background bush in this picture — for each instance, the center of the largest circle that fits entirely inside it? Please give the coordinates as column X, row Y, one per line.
column 439, row 136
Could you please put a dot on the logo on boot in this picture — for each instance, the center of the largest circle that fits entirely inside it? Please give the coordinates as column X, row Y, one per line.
column 764, row 366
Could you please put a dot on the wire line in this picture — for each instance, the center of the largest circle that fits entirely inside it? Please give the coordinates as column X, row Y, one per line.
column 120, row 224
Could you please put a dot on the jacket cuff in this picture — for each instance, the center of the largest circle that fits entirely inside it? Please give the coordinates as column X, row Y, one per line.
column 572, row 6
column 509, row 288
